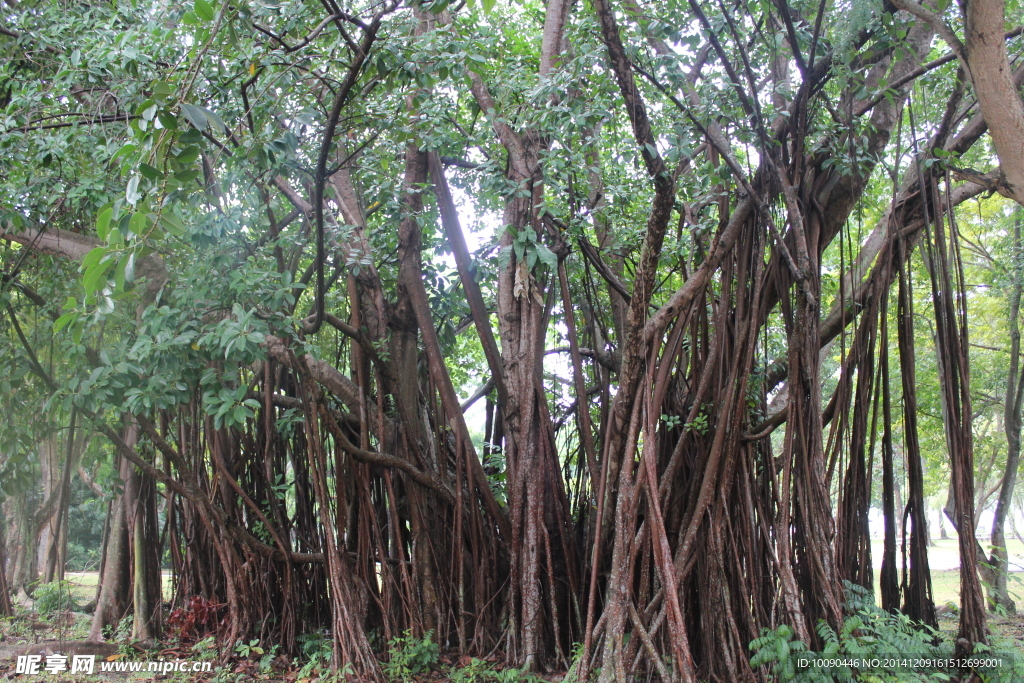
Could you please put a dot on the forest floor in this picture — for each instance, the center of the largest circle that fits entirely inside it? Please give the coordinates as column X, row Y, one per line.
column 29, row 633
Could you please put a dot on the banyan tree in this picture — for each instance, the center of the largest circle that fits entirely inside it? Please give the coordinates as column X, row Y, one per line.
column 568, row 333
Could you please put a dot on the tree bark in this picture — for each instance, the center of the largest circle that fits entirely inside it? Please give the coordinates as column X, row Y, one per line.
column 115, row 582
column 147, row 599
column 6, row 606
column 49, row 542
column 985, row 59
column 998, row 99
column 999, row 592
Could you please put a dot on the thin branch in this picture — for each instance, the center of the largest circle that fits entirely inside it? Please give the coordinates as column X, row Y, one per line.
column 109, row 118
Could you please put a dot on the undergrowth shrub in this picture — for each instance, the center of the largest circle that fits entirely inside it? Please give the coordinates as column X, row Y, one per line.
column 54, row 597
column 195, row 620
column 409, row 655
column 882, row 644
column 480, row 671
column 316, row 651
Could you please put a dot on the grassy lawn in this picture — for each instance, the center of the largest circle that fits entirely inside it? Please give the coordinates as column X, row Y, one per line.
column 83, row 585
column 944, row 562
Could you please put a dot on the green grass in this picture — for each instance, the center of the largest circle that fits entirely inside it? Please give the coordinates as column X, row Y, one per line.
column 83, row 585
column 946, row 586
column 944, row 561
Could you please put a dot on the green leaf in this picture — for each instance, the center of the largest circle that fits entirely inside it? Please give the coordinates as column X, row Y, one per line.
column 129, row 267
column 190, row 137
column 162, row 88
column 150, row 172
column 547, row 256
column 187, row 155
column 148, row 110
column 195, row 115
column 63, row 321
column 93, row 257
column 172, row 224
column 119, row 275
column 488, row 5
column 126, row 149
column 138, row 223
column 131, row 192
column 167, row 120
column 103, row 222
column 96, row 276
column 204, row 10
column 214, row 120
column 184, row 177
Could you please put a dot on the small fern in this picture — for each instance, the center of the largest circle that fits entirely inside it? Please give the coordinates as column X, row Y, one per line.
column 869, row 633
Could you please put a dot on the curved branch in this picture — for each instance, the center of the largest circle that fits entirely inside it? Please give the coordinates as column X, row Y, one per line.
column 426, row 479
column 320, row 175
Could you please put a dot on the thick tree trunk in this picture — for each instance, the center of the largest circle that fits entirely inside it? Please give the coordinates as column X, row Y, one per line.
column 6, row 606
column 803, row 447
column 350, row 645
column 23, row 553
column 998, row 99
column 535, row 492
column 147, row 600
column 48, row 542
column 853, row 542
column 985, row 58
column 115, row 581
column 917, row 580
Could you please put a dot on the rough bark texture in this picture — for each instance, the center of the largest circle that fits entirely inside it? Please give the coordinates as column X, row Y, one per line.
column 115, row 581
column 1000, row 103
column 1012, row 406
column 984, row 57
